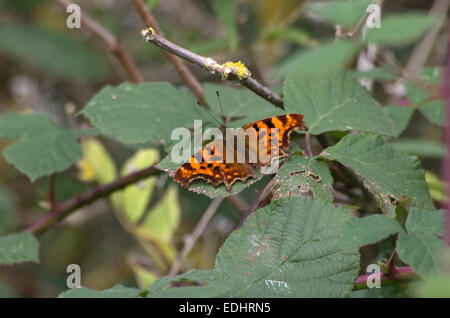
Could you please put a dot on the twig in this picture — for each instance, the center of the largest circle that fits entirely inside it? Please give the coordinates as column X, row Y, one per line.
column 237, row 202
column 111, row 43
column 422, row 50
column 51, row 191
column 64, row 209
column 259, row 197
column 400, row 274
column 190, row 241
column 228, row 70
column 190, row 80
column 446, row 163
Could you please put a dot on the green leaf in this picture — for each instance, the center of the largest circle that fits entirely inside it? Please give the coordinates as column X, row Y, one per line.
column 420, row 247
column 193, row 276
column 433, row 110
column 376, row 73
column 143, row 275
column 208, row 280
column 422, row 148
column 238, row 103
column 139, row 113
column 292, row 34
column 400, row 116
column 436, row 186
column 437, row 286
column 344, row 12
column 15, row 125
column 118, row 291
column 421, row 221
column 301, row 176
column 368, row 230
column 287, row 249
column 151, row 4
column 163, row 219
column 41, row 148
column 385, row 171
column 336, row 102
column 7, row 209
column 18, row 248
column 137, row 196
column 44, row 152
column 317, row 61
column 401, row 28
column 57, row 53
column 98, row 164
column 226, row 12
column 421, row 251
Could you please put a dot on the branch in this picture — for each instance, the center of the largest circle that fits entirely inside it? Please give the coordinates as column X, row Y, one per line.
column 191, row 81
column 423, row 49
column 399, row 275
column 262, row 194
column 64, row 209
column 228, row 70
column 111, row 43
column 190, row 241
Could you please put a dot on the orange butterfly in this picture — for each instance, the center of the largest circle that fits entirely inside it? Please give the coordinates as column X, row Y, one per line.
column 212, row 165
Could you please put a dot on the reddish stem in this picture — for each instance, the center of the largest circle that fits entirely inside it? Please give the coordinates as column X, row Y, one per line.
column 399, row 274
column 61, row 210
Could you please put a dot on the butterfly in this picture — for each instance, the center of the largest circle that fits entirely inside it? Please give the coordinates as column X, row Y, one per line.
column 212, row 165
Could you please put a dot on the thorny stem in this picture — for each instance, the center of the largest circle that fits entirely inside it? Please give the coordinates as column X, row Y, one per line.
column 191, row 239
column 111, row 43
column 400, row 274
column 212, row 66
column 61, row 210
column 259, row 198
column 390, row 263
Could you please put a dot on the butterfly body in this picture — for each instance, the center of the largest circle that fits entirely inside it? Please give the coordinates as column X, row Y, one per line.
column 218, row 162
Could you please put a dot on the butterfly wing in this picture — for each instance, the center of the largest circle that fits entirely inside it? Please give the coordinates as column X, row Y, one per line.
column 285, row 125
column 209, row 165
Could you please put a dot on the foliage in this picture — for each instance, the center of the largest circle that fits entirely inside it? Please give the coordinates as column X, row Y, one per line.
column 354, row 179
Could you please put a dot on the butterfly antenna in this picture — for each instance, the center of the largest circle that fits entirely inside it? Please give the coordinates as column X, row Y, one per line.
column 221, row 109
column 210, row 113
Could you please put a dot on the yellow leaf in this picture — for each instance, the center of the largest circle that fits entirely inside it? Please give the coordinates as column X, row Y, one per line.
column 163, row 219
column 96, row 164
column 137, row 196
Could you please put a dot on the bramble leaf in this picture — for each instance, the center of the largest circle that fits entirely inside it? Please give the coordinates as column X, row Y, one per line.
column 400, row 29
column 301, row 176
column 118, row 291
column 140, row 113
column 385, row 171
column 336, row 102
column 287, row 249
column 368, row 230
column 41, row 148
column 18, row 248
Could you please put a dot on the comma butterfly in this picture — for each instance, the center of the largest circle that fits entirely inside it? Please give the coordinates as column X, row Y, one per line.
column 212, row 165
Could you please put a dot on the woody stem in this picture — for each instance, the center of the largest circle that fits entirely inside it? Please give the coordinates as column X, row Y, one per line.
column 213, row 67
